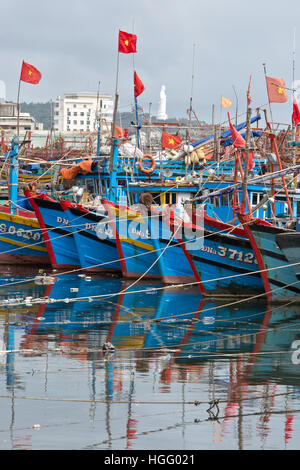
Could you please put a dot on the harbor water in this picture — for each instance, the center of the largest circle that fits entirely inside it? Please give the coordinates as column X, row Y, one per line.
column 93, row 363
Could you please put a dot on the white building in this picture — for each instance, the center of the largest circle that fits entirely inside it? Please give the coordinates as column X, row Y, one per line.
column 79, row 112
column 9, row 119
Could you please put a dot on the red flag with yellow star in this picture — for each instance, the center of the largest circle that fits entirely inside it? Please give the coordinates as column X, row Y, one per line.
column 30, row 74
column 127, row 42
column 169, row 141
column 276, row 90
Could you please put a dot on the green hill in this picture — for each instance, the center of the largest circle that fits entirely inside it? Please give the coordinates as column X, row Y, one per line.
column 40, row 111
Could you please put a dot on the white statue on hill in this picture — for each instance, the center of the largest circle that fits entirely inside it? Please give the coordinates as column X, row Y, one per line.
column 162, row 104
column 2, row 92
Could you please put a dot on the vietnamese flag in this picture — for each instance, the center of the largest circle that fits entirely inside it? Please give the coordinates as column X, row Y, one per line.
column 170, row 141
column 30, row 74
column 276, row 90
column 138, row 85
column 127, row 42
column 296, row 113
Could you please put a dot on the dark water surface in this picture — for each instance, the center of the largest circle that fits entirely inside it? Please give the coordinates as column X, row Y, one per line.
column 174, row 354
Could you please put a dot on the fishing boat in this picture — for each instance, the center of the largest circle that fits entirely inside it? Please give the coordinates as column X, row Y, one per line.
column 20, row 236
column 222, row 256
column 94, row 239
column 289, row 244
column 57, row 234
column 279, row 279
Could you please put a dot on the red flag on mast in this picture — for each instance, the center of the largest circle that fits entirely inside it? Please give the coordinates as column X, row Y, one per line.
column 170, row 141
column 127, row 42
column 296, row 113
column 239, row 142
column 138, row 85
column 248, row 92
column 276, row 90
column 30, row 74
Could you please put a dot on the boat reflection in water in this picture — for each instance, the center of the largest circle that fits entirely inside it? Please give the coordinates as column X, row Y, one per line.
column 172, row 349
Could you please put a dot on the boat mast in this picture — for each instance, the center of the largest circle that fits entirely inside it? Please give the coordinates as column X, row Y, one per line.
column 13, row 176
column 245, row 179
column 293, row 75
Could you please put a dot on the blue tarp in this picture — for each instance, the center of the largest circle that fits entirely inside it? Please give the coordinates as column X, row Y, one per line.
column 227, row 133
column 227, row 142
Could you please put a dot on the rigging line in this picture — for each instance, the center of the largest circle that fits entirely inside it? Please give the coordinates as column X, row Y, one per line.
column 162, row 318
column 153, row 264
column 147, row 402
column 223, row 336
column 213, row 280
column 100, row 264
column 107, row 262
column 172, row 286
column 194, row 283
column 42, row 301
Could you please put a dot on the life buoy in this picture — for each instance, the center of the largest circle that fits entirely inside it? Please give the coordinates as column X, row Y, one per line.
column 144, row 169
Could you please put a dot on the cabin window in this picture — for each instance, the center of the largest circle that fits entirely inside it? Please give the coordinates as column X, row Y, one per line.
column 170, row 198
column 254, row 199
column 156, row 198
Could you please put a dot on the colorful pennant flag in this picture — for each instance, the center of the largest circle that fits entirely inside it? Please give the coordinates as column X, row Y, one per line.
column 225, row 102
column 296, row 113
column 239, row 142
column 276, row 90
column 138, row 85
column 248, row 92
column 30, row 74
column 127, row 42
column 170, row 141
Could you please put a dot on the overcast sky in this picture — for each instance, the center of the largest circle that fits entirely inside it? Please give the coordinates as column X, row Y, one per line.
column 74, row 45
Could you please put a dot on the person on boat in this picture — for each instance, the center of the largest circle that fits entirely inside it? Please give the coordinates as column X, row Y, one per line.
column 263, row 169
column 32, row 189
column 146, row 199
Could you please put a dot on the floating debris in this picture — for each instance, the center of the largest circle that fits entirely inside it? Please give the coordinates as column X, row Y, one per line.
column 44, row 279
column 108, row 347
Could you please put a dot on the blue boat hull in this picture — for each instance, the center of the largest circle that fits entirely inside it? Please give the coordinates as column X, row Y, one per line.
column 97, row 253
column 283, row 283
column 57, row 233
column 135, row 247
column 21, row 241
column 289, row 243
